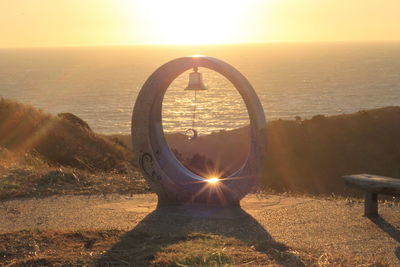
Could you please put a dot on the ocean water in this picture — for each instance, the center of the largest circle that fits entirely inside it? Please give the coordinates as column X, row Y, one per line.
column 100, row 84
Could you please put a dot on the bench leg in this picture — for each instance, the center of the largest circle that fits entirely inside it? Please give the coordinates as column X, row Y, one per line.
column 371, row 204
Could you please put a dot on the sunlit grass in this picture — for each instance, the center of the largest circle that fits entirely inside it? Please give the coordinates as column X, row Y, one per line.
column 118, row 248
column 136, row 248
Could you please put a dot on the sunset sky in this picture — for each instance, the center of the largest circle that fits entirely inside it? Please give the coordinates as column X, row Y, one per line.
column 44, row 23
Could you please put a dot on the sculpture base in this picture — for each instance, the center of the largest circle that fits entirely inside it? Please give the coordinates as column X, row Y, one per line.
column 198, row 210
column 207, row 200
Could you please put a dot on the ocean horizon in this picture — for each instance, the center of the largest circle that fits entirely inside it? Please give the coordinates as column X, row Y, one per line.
column 100, row 84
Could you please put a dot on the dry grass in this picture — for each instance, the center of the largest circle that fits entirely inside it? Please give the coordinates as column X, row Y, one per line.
column 118, row 248
column 29, row 182
column 308, row 156
column 305, row 156
column 63, row 140
column 314, row 233
column 28, row 175
column 43, row 155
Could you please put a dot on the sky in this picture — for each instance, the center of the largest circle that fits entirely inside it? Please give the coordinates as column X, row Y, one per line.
column 48, row 23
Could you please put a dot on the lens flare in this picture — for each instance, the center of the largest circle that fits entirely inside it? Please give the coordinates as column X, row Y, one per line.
column 213, row 180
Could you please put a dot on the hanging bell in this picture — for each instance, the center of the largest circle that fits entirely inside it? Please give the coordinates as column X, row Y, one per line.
column 196, row 82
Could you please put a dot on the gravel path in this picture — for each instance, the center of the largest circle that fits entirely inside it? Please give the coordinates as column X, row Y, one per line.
column 308, row 224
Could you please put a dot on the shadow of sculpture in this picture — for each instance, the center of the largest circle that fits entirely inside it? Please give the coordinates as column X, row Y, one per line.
column 168, row 225
column 389, row 229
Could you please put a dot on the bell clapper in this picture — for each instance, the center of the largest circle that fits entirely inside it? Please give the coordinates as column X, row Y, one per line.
column 191, row 134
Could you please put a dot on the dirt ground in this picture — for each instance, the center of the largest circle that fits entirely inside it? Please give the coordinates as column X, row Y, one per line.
column 331, row 229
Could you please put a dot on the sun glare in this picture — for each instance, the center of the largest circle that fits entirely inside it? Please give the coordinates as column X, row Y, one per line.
column 213, row 180
column 191, row 22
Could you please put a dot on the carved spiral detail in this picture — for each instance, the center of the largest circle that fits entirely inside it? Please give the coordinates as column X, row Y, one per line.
column 146, row 164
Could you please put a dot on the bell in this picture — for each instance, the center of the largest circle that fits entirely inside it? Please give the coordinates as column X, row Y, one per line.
column 196, row 82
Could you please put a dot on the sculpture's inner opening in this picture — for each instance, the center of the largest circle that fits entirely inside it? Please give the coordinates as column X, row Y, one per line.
column 208, row 130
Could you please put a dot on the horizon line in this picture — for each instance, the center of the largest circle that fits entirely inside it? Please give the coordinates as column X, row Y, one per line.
column 200, row 44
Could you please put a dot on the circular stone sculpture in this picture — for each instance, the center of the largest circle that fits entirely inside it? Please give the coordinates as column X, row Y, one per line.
column 173, row 183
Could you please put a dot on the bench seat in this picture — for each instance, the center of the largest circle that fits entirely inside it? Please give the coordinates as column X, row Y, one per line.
column 373, row 185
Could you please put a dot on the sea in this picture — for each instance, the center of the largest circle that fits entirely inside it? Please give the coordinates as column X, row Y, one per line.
column 100, row 84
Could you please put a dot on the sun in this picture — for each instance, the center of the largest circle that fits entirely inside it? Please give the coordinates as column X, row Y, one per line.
column 189, row 21
column 213, row 180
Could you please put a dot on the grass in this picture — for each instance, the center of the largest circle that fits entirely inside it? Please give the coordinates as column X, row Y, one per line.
column 119, row 248
column 28, row 175
column 29, row 182
column 43, row 155
column 163, row 238
column 307, row 156
column 304, row 156
column 62, row 140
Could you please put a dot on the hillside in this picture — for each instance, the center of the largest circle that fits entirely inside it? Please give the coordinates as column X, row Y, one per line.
column 306, row 156
column 311, row 155
column 42, row 154
column 60, row 140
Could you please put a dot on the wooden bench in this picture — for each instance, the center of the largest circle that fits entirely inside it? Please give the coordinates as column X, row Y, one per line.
column 373, row 185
